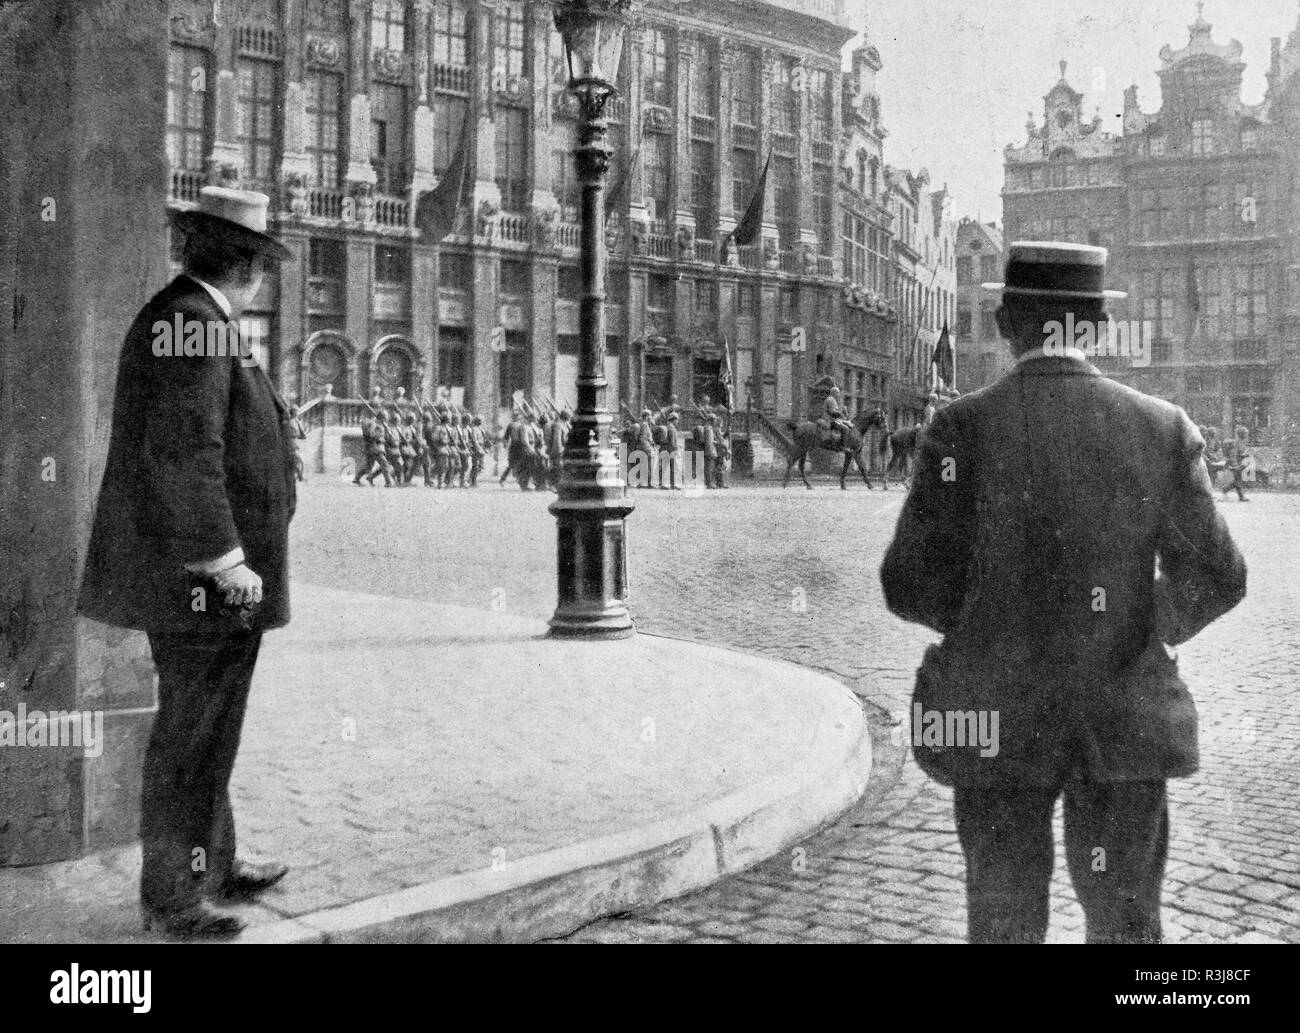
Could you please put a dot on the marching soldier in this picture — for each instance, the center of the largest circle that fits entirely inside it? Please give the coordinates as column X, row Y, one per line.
column 463, row 451
column 393, row 444
column 669, row 449
column 478, row 448
column 375, row 434
column 409, row 435
column 427, row 434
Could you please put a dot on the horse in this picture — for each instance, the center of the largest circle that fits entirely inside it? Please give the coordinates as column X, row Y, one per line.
column 897, row 450
column 808, row 436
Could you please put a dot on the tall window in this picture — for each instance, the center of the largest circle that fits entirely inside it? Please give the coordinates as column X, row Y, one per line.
column 452, row 350
column 706, row 299
column 785, row 200
column 326, row 16
column 657, row 149
column 516, row 374
column 564, row 184
column 324, row 138
column 823, row 187
column 1205, row 210
column 704, row 79
column 392, row 264
column 1161, row 292
column 327, row 269
column 823, row 104
column 1250, row 301
column 515, row 278
column 659, row 293
column 658, row 84
column 964, row 268
column 449, row 27
column 703, row 189
column 255, row 106
column 512, row 158
column 508, row 40
column 744, row 177
column 388, row 137
column 1202, row 135
column 187, row 107
column 855, row 249
column 388, row 24
column 745, row 88
column 448, row 124
column 989, row 271
column 785, row 101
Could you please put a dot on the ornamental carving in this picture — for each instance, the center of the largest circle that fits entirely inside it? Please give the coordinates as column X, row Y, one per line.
column 544, row 227
column 296, row 189
column 389, row 64
column 566, row 104
column 187, row 29
column 770, row 256
column 637, row 236
column 511, row 87
column 487, row 216
column 326, row 52
column 658, row 119
column 685, row 243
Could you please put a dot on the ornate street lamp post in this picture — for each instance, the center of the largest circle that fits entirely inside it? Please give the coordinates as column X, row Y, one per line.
column 591, row 510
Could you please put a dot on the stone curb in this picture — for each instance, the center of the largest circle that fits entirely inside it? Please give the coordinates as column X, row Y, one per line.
column 553, row 893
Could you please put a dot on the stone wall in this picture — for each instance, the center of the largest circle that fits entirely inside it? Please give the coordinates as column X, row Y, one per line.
column 82, row 245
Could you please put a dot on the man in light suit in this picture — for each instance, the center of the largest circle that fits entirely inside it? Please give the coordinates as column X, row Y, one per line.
column 1060, row 533
column 190, row 544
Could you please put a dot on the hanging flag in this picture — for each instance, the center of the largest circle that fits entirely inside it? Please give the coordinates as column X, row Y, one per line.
column 615, row 197
column 944, row 360
column 727, row 378
column 435, row 214
column 751, row 224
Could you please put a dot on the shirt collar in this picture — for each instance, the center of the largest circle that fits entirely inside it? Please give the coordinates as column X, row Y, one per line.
column 1066, row 352
column 222, row 301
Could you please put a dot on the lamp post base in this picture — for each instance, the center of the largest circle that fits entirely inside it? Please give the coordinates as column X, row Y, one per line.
column 591, row 553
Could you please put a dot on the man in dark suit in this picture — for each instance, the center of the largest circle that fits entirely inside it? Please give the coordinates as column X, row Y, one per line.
column 190, row 544
column 1060, row 533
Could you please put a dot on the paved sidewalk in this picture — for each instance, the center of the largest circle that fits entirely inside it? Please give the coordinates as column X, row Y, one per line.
column 432, row 772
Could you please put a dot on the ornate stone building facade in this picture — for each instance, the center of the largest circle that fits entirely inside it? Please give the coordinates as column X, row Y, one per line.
column 347, row 111
column 982, row 355
column 1196, row 202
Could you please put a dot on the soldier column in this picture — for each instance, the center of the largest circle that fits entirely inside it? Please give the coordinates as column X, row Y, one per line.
column 590, row 511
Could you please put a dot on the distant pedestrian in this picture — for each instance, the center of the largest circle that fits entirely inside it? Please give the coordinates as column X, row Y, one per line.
column 1234, row 456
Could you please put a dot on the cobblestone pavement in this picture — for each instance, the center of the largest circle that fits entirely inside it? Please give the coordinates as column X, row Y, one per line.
column 794, row 574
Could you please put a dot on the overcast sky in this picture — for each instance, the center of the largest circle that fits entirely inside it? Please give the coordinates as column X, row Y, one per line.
column 960, row 75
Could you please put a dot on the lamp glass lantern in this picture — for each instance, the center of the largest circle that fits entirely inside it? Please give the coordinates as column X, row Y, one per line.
column 592, row 31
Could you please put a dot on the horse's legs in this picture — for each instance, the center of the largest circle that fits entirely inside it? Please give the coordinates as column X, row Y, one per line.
column 789, row 465
column 848, row 458
column 803, row 472
column 862, row 469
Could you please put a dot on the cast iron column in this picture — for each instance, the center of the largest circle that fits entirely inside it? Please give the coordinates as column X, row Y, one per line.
column 590, row 512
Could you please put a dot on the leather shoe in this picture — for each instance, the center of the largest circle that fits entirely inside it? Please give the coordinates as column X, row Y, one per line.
column 247, row 880
column 196, row 920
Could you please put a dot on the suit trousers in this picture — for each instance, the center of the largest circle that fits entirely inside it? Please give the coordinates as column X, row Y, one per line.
column 1116, row 842
column 187, row 828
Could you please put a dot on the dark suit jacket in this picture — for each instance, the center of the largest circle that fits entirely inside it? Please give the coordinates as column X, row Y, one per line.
column 200, row 461
column 1030, row 539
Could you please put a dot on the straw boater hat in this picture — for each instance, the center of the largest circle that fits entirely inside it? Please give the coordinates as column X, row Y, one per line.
column 1040, row 268
column 236, row 217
